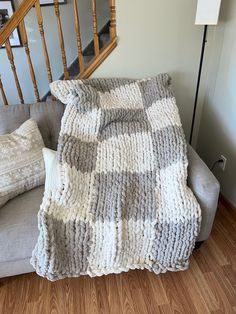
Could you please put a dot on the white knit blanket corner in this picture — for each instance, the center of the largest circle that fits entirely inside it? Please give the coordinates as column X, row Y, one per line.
column 122, row 200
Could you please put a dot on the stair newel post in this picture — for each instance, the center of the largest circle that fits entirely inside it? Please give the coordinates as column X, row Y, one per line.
column 61, row 39
column 112, row 18
column 95, row 31
column 5, row 102
column 44, row 45
column 78, row 37
column 27, row 51
column 11, row 60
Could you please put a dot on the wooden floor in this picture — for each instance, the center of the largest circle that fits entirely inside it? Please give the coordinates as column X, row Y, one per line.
column 209, row 286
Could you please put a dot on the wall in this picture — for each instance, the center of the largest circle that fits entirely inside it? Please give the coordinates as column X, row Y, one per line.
column 158, row 36
column 217, row 133
column 50, row 27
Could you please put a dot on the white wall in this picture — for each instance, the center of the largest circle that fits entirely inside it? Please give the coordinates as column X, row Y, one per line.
column 50, row 27
column 158, row 36
column 217, row 133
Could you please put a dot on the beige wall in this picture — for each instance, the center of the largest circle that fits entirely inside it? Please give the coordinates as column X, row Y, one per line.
column 51, row 35
column 217, row 133
column 158, row 36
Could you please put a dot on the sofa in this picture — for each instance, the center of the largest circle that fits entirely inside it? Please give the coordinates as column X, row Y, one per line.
column 18, row 217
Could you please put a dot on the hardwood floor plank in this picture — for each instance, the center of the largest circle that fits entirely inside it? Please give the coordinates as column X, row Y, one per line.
column 151, row 298
column 101, row 291
column 113, row 294
column 125, row 295
column 11, row 296
column 136, row 292
column 230, row 275
column 219, row 293
column 199, row 256
column 195, row 293
column 3, row 292
column 225, row 246
column 209, row 286
column 165, row 309
column 228, row 232
column 204, row 286
column 90, row 296
column 221, row 278
column 156, row 285
column 177, row 293
column 216, row 252
column 79, row 295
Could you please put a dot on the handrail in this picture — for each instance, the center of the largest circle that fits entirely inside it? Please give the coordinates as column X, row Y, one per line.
column 15, row 20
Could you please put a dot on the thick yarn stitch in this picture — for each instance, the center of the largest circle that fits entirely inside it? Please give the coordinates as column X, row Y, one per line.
column 122, row 201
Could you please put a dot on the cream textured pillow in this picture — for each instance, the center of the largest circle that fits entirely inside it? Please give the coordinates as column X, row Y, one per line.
column 21, row 161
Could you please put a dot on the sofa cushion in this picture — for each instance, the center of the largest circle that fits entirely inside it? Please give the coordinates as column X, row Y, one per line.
column 11, row 117
column 18, row 225
column 47, row 115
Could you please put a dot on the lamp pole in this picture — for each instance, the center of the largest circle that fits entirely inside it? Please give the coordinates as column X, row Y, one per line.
column 204, row 41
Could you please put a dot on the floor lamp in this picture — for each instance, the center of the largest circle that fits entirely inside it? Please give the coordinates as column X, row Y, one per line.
column 207, row 14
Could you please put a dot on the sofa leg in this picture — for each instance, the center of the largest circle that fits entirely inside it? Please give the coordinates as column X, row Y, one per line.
column 198, row 245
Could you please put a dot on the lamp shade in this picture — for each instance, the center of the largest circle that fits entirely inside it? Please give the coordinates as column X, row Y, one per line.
column 207, row 12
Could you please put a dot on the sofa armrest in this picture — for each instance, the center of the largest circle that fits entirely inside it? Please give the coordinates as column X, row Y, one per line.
column 206, row 188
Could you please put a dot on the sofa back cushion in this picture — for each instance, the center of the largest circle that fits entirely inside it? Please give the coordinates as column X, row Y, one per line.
column 47, row 115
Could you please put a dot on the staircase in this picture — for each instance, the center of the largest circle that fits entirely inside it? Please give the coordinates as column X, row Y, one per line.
column 89, row 51
column 84, row 65
column 88, row 55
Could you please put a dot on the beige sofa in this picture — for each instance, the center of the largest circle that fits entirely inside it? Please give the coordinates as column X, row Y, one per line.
column 18, row 218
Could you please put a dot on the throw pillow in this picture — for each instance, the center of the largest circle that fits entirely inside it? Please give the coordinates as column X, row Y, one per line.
column 21, row 161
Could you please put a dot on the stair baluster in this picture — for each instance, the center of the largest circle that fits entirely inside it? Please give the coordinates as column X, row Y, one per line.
column 27, row 51
column 3, row 93
column 78, row 37
column 11, row 60
column 61, row 38
column 112, row 18
column 41, row 31
column 95, row 31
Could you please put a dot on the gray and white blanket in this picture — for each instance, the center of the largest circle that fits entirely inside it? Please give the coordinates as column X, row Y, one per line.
column 121, row 201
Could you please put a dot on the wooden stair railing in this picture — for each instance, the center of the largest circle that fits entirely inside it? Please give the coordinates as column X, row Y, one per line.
column 17, row 21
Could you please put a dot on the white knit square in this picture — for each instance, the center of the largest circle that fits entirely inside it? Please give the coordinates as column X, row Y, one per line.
column 83, row 126
column 127, row 96
column 73, row 203
column 132, row 153
column 163, row 113
column 177, row 198
column 120, row 245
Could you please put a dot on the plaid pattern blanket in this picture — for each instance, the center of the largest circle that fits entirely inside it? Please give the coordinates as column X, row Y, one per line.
column 121, row 201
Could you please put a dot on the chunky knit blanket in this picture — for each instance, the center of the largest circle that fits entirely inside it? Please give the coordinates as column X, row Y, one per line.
column 121, row 201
